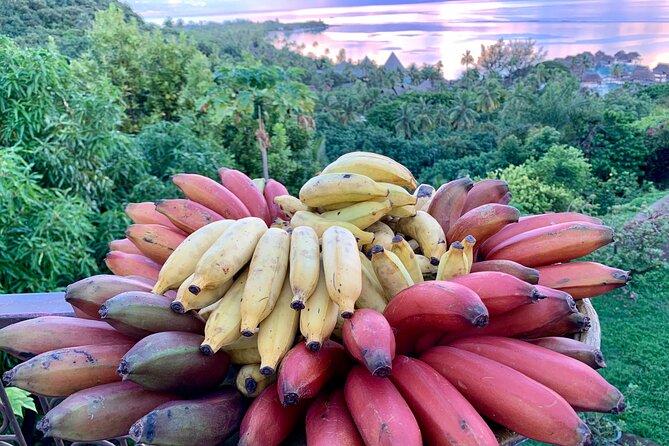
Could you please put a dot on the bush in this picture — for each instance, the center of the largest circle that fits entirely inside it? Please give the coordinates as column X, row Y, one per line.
column 447, row 170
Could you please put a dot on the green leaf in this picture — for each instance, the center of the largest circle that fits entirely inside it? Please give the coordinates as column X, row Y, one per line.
column 20, row 400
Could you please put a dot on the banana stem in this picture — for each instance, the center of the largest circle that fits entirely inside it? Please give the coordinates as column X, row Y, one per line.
column 263, row 142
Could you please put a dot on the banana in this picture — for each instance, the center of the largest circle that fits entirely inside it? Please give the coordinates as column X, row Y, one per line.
column 372, row 296
column 145, row 214
column 187, row 215
column 423, row 194
column 304, row 373
column 370, row 340
column 398, row 196
column 228, row 255
column 362, row 214
column 320, row 225
column 379, row 411
column 267, row 274
column 171, row 361
column 448, row 201
column 140, row 314
column 124, row 245
column 337, row 206
column 181, row 263
column 277, row 331
column 157, row 242
column 272, row 190
column 222, row 327
column 243, row 351
column 383, row 235
column 578, row 350
column 342, row 268
column 567, row 326
column 506, row 199
column 426, row 266
column 289, row 204
column 485, row 192
column 304, row 265
column 259, row 183
column 509, row 398
column 180, row 422
column 378, row 168
column 243, row 187
column 328, row 421
column 403, row 211
column 445, row 416
column 415, row 246
column 483, row 222
column 524, row 273
column 334, row 188
column 60, row 373
column 392, row 274
column 89, row 293
column 427, row 231
column 186, row 301
column 403, row 251
column 319, row 316
column 453, row 263
column 582, row 279
column 250, row 382
column 469, row 242
column 212, row 195
column 124, row 264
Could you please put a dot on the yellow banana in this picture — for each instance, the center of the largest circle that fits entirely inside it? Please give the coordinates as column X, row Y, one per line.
column 373, row 296
column 289, row 204
column 426, row 266
column 205, row 312
column 415, row 246
column 340, row 187
column 335, row 206
column 379, row 168
column 453, row 262
column 319, row 316
column 228, row 255
column 403, row 211
column 222, row 327
column 250, row 382
column 469, row 243
column 427, row 231
column 342, row 268
column 260, row 184
column 361, row 214
column 383, row 235
column 392, row 274
column 277, row 331
column 320, row 225
column 398, row 195
column 181, row 263
column 186, row 301
column 267, row 274
column 424, row 194
column 403, row 251
column 243, row 351
column 304, row 265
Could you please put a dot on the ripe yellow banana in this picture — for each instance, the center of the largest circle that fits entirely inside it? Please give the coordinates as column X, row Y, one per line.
column 424, row 194
column 186, row 301
column 392, row 274
column 427, row 231
column 243, row 351
column 267, row 274
column 319, row 316
column 453, row 262
column 361, row 214
column 426, row 266
column 334, row 188
column 383, row 235
column 373, row 296
column 222, row 327
column 342, row 268
column 277, row 331
column 205, row 312
column 379, row 168
column 403, row 211
column 260, row 184
column 289, row 204
column 304, row 265
column 228, row 255
column 250, row 382
column 181, row 263
column 336, row 206
column 320, row 225
column 398, row 195
column 469, row 243
column 403, row 251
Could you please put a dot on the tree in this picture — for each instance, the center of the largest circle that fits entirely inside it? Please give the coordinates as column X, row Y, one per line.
column 467, row 59
column 404, row 121
column 462, row 115
column 488, row 97
column 424, row 115
column 509, row 58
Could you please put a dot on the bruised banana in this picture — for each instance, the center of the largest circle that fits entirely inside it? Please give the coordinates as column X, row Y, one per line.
column 290, row 205
column 320, row 225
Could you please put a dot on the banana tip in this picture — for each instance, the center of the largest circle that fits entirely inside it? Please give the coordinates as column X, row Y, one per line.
column 136, row 431
column 123, row 369
column 314, row 346
column 8, row 377
column 194, row 289
column 398, row 238
column 347, row 314
column 104, row 311
column 250, row 385
column 382, row 371
column 206, row 350
column 470, row 239
column 177, row 307
column 377, row 249
column 620, row 406
column 297, row 304
column 480, row 321
column 457, row 245
column 247, row 333
column 434, row 261
column 267, row 371
column 290, row 399
column 599, row 359
column 44, row 425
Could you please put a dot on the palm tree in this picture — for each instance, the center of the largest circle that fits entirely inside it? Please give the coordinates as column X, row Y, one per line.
column 462, row 114
column 617, row 71
column 414, row 74
column 467, row 59
column 404, row 121
column 424, row 113
column 488, row 97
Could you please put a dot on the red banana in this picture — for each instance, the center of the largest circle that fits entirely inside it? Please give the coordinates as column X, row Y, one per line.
column 156, row 242
column 329, row 422
column 32, row 337
column 510, row 398
column 272, row 190
column 124, row 245
column 378, row 409
column 553, row 244
column 304, row 373
column 568, row 325
column 88, row 294
column 433, row 306
column 531, row 222
column 500, row 292
column 485, row 192
column 145, row 214
column 585, row 353
column 482, row 222
column 267, row 422
column 529, row 275
column 583, row 279
column 582, row 387
column 445, row 417
column 211, row 194
column 506, row 198
column 245, row 189
column 187, row 215
column 370, row 340
column 124, row 264
column 448, row 201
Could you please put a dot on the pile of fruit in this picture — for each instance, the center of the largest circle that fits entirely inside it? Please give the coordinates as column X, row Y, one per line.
column 370, row 310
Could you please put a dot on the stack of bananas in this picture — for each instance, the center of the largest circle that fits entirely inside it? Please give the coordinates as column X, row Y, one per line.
column 242, row 274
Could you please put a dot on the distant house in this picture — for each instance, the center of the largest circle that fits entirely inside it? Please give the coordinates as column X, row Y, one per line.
column 661, row 72
column 642, row 75
column 602, row 59
column 393, row 63
column 591, row 80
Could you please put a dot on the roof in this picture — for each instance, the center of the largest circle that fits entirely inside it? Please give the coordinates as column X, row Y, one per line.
column 661, row 68
column 393, row 63
column 591, row 77
column 642, row 74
